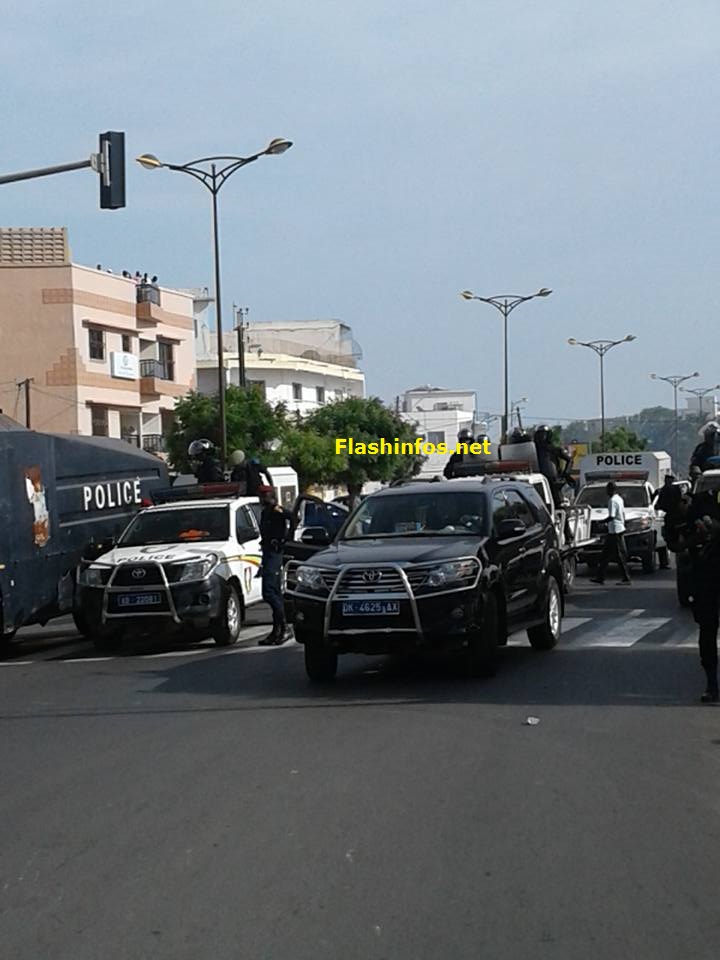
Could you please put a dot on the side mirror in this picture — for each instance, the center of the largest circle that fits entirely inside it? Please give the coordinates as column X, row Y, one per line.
column 317, row 536
column 510, row 529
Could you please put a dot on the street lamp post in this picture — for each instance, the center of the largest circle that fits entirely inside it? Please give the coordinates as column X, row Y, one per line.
column 675, row 381
column 601, row 347
column 212, row 172
column 515, row 410
column 506, row 304
column 700, row 393
column 241, row 325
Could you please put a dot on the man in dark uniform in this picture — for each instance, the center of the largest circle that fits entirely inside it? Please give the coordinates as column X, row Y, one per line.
column 705, row 450
column 206, row 467
column 275, row 529
column 703, row 538
column 464, row 436
column 549, row 459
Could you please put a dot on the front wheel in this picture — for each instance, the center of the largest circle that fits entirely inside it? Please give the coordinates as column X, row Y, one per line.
column 570, row 572
column 226, row 627
column 320, row 662
column 546, row 634
column 482, row 650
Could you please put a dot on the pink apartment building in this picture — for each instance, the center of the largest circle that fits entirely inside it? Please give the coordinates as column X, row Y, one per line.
column 104, row 355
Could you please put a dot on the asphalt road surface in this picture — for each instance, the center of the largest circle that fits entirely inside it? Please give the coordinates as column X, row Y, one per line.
column 200, row 803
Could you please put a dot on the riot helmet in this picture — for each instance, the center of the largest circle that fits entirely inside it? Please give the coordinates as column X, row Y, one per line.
column 200, row 449
column 465, row 435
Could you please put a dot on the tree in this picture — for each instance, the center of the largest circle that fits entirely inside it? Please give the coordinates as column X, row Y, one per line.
column 619, row 439
column 366, row 421
column 310, row 454
column 252, row 423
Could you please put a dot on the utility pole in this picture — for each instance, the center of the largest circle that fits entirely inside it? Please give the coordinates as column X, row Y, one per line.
column 26, row 384
column 240, row 325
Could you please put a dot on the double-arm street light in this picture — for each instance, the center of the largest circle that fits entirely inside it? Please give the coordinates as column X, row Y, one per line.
column 212, row 172
column 505, row 304
column 601, row 347
column 675, row 381
column 700, row 393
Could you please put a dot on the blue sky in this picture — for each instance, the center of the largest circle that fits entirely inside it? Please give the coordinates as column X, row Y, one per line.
column 500, row 146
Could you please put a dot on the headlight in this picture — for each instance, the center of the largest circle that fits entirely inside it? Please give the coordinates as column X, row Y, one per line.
column 311, row 578
column 638, row 523
column 92, row 577
column 196, row 570
column 450, row 574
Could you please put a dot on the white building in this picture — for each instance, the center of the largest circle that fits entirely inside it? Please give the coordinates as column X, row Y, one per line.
column 302, row 364
column 439, row 414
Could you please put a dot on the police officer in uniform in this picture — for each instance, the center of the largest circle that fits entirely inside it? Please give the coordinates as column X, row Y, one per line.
column 703, row 538
column 706, row 449
column 275, row 529
column 549, row 459
column 206, row 466
column 464, row 436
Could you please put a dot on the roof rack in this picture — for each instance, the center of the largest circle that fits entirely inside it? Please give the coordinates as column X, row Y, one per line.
column 201, row 491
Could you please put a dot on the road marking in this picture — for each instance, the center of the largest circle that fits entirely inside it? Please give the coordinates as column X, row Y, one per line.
column 623, row 631
column 520, row 639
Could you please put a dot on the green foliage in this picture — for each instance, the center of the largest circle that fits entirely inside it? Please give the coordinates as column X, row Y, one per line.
column 309, row 453
column 366, row 421
column 620, row 439
column 252, row 423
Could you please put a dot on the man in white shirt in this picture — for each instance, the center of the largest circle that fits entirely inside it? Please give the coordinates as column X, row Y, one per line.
column 614, row 546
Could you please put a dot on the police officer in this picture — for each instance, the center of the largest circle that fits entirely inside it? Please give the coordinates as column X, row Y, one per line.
column 275, row 529
column 549, row 459
column 703, row 538
column 206, row 466
column 464, row 436
column 706, row 449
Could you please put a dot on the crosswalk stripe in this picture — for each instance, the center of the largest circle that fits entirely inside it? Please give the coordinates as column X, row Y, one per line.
column 569, row 623
column 623, row 631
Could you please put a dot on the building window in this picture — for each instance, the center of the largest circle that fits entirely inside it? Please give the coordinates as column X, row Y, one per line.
column 99, row 417
column 166, row 360
column 320, row 392
column 297, row 391
column 96, row 341
column 126, row 343
column 436, row 436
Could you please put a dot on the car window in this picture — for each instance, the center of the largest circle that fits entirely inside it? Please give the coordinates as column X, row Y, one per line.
column 177, row 525
column 520, row 508
column 440, row 513
column 245, row 525
column 596, row 497
column 326, row 515
column 501, row 509
column 537, row 504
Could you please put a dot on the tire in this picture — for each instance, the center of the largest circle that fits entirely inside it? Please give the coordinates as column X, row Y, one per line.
column 81, row 624
column 546, row 634
column 225, row 629
column 649, row 561
column 663, row 557
column 320, row 662
column 482, row 651
column 570, row 572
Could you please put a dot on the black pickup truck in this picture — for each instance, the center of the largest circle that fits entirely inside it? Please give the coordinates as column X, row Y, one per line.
column 428, row 566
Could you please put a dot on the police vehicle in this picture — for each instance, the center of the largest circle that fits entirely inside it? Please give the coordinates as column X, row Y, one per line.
column 60, row 498
column 189, row 564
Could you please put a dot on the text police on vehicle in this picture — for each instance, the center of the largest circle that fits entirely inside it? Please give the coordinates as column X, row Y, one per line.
column 106, row 496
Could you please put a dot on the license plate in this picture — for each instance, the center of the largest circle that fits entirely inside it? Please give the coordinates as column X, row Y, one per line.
column 139, row 599
column 370, row 608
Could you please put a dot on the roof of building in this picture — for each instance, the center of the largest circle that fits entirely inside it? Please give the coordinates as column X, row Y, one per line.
column 8, row 425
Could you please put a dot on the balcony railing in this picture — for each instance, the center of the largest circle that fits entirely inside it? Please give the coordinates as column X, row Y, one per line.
column 154, row 368
column 153, row 443
column 148, row 293
column 133, row 438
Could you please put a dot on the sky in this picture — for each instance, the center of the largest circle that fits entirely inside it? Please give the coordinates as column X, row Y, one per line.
column 495, row 145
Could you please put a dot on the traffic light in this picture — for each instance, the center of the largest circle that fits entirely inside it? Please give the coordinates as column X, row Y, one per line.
column 112, row 170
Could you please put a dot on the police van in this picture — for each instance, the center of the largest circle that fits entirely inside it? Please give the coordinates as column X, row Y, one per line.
column 61, row 497
column 637, row 477
column 189, row 564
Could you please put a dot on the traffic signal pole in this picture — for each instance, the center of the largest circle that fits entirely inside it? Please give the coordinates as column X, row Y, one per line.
column 109, row 163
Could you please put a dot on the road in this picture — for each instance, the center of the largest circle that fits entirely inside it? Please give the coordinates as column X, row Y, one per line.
column 209, row 804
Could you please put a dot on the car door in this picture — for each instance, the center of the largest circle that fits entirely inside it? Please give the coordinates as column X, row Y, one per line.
column 247, row 534
column 509, row 556
column 311, row 511
column 534, row 546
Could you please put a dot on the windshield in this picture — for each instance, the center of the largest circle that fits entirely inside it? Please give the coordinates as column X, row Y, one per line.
column 181, row 525
column 419, row 514
column 597, row 497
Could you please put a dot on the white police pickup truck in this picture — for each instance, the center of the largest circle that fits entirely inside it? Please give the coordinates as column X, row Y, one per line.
column 189, row 564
